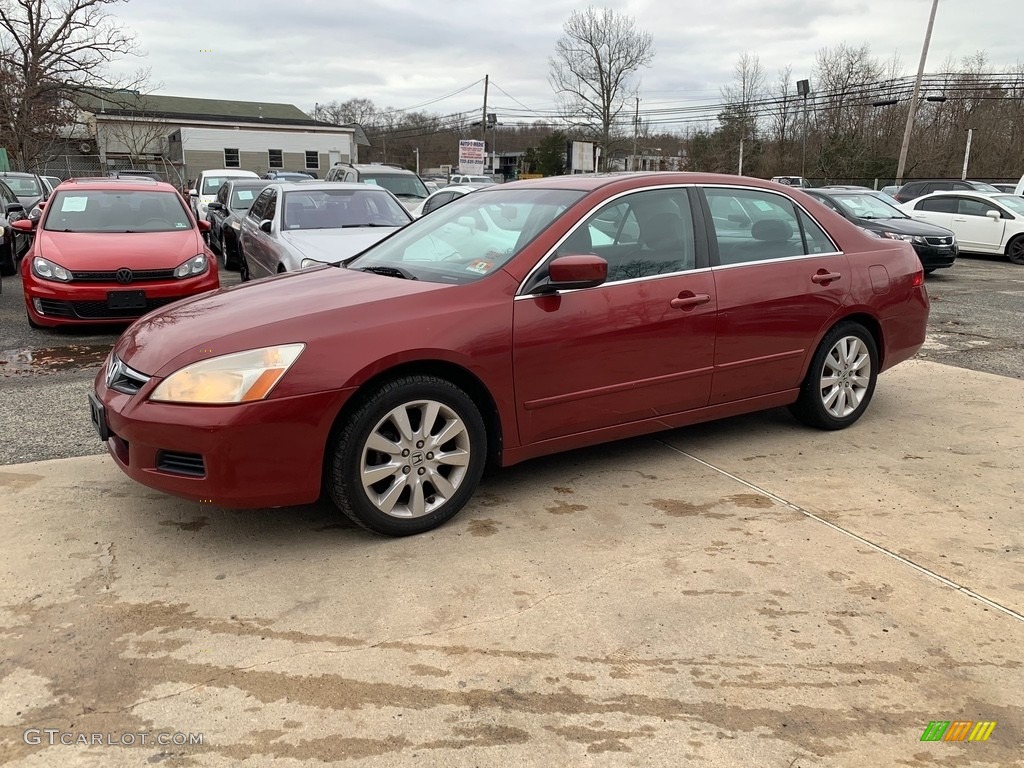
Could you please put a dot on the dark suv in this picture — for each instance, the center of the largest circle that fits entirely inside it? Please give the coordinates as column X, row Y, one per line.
column 920, row 187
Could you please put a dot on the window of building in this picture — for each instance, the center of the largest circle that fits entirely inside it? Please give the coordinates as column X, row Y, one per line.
column 275, row 158
column 312, row 159
column 231, row 159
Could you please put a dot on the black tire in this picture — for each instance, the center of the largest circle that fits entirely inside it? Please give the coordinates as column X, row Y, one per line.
column 1015, row 250
column 9, row 261
column 214, row 242
column 345, row 458
column 810, row 407
column 929, row 270
column 243, row 266
column 228, row 254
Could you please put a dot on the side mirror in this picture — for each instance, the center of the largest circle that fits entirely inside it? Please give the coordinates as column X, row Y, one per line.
column 266, row 225
column 204, row 226
column 194, row 192
column 993, row 215
column 15, row 208
column 24, row 225
column 215, row 206
column 572, row 272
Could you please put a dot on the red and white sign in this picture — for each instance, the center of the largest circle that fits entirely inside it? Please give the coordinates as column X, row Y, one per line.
column 471, row 157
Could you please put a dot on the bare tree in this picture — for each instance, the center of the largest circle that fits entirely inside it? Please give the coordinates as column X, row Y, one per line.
column 50, row 52
column 361, row 111
column 591, row 71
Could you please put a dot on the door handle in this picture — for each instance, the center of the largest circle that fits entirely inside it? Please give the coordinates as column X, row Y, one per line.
column 688, row 300
column 825, row 277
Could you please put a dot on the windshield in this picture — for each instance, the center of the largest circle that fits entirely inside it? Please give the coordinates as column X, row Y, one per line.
column 341, row 208
column 212, row 183
column 23, row 186
column 398, row 184
column 101, row 210
column 1013, row 202
column 868, row 206
column 470, row 237
column 981, row 186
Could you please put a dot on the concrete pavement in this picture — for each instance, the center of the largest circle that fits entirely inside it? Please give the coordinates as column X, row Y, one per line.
column 746, row 593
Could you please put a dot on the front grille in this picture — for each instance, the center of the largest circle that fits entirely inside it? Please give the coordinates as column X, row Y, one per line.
column 139, row 275
column 98, row 310
column 939, row 240
column 175, row 463
column 121, row 378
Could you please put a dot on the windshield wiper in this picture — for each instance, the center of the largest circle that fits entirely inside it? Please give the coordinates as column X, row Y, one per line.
column 368, row 224
column 388, row 272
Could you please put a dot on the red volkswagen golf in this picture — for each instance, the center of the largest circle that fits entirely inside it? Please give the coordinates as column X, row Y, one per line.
column 521, row 320
column 111, row 250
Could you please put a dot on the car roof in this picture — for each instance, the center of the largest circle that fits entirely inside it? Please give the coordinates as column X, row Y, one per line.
column 236, row 172
column 317, row 185
column 133, row 184
column 588, row 182
column 17, row 173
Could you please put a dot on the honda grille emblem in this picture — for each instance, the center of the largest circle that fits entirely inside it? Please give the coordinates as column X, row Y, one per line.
column 123, row 275
column 113, row 370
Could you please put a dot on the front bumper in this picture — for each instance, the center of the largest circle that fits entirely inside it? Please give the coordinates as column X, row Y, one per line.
column 50, row 303
column 937, row 256
column 252, row 455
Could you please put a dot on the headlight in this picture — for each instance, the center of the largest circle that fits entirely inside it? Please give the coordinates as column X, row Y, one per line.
column 241, row 377
column 194, row 266
column 47, row 270
column 908, row 238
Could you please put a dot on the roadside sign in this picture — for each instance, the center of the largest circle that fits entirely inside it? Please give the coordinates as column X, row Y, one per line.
column 471, row 157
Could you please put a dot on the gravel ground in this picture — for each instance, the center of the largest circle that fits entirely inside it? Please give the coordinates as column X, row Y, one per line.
column 977, row 322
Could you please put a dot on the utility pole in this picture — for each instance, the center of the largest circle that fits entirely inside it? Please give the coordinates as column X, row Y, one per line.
column 636, row 132
column 967, row 152
column 912, row 113
column 417, row 152
column 740, row 171
column 483, row 118
column 803, row 88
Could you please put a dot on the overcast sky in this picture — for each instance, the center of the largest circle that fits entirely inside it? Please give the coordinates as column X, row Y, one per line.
column 408, row 53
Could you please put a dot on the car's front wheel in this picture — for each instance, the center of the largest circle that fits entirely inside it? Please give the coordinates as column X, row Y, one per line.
column 841, row 379
column 8, row 260
column 409, row 458
column 243, row 265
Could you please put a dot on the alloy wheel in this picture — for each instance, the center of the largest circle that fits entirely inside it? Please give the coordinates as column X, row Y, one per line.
column 845, row 376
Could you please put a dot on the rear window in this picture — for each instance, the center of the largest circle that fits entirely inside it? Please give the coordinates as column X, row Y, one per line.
column 23, row 186
column 407, row 185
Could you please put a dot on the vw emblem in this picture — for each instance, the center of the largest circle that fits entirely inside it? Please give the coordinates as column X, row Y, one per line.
column 417, row 458
column 123, row 275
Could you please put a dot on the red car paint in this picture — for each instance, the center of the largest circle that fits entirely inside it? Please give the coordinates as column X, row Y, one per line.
column 550, row 372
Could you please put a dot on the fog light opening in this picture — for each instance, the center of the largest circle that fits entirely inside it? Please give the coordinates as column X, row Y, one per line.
column 38, row 304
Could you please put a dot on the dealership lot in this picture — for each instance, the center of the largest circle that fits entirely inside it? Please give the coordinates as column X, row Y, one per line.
column 749, row 592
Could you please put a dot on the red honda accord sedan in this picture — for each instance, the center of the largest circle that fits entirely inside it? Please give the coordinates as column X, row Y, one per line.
column 111, row 250
column 524, row 319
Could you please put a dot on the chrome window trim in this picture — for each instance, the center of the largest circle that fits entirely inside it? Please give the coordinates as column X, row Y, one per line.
column 779, row 258
column 627, row 281
column 583, row 218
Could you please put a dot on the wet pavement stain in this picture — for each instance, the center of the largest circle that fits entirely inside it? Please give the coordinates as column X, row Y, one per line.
column 17, row 481
column 564, row 508
column 680, row 508
column 193, row 525
column 749, row 500
column 482, row 527
column 52, row 359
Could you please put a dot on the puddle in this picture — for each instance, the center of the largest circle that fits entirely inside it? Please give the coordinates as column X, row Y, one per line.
column 73, row 357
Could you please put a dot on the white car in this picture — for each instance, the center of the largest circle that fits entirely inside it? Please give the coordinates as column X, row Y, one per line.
column 208, row 184
column 983, row 222
column 294, row 225
column 444, row 195
column 465, row 178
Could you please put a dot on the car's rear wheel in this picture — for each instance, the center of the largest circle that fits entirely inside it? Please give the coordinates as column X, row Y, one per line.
column 841, row 378
column 1015, row 250
column 409, row 458
column 228, row 251
column 216, row 243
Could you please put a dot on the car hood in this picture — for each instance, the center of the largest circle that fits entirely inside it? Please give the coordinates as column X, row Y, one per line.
column 905, row 227
column 250, row 315
column 113, row 250
column 29, row 201
column 334, row 244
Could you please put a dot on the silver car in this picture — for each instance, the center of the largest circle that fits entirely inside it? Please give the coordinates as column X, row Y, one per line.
column 292, row 223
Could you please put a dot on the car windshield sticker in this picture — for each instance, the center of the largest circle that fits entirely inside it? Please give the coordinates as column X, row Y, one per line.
column 762, row 205
column 480, row 267
column 370, row 181
column 73, row 204
column 180, row 224
column 244, row 194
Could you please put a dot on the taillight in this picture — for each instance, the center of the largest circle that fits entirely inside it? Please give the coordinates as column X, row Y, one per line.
column 918, row 278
